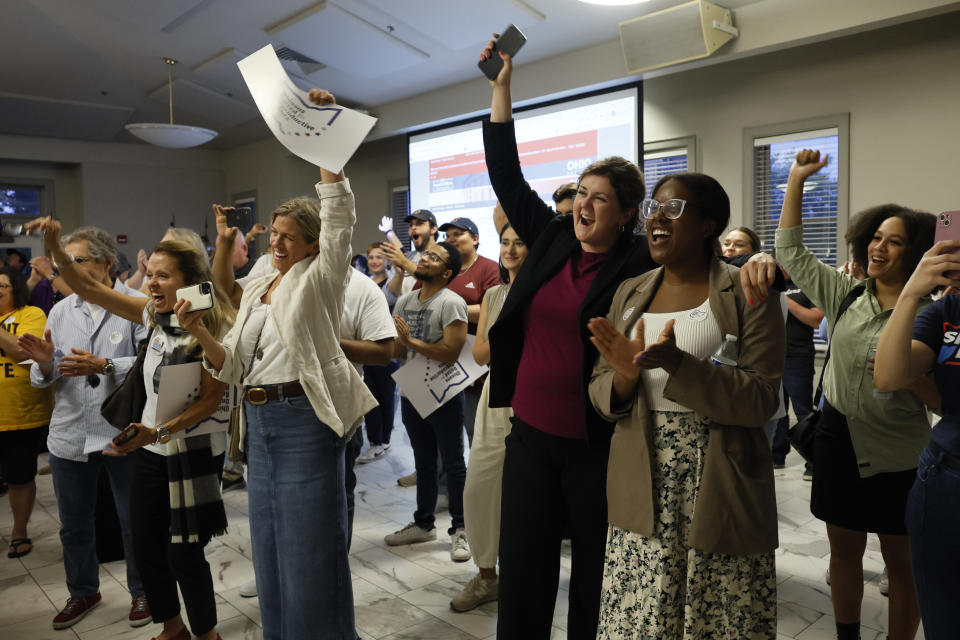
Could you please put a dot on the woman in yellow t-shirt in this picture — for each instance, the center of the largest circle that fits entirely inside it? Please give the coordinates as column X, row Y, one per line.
column 24, row 410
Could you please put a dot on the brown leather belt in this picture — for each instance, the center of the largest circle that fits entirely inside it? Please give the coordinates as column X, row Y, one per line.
column 263, row 395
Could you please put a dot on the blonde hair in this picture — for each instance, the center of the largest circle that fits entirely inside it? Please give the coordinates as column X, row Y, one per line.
column 188, row 236
column 195, row 269
column 305, row 212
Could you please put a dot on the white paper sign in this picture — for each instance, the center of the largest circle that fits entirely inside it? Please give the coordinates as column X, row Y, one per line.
column 325, row 136
column 429, row 384
column 179, row 388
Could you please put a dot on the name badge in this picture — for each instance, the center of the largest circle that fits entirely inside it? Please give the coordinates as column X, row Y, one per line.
column 157, row 344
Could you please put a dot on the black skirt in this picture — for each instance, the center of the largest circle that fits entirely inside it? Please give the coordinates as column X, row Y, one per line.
column 840, row 497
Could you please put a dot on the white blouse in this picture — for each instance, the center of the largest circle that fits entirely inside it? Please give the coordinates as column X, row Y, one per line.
column 697, row 333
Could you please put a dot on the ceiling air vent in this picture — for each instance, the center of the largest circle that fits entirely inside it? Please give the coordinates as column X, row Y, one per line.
column 307, row 64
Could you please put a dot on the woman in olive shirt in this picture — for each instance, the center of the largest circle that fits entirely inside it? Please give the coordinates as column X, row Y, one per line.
column 868, row 441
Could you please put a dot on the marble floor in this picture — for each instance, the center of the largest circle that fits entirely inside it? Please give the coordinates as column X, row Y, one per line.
column 400, row 592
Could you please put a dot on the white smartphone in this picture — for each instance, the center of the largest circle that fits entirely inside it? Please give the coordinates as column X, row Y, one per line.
column 199, row 295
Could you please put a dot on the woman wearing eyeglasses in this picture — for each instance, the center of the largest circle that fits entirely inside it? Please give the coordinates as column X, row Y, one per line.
column 24, row 411
column 690, row 490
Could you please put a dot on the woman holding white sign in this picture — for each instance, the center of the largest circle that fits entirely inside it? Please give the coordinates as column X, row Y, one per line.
column 170, row 528
column 301, row 398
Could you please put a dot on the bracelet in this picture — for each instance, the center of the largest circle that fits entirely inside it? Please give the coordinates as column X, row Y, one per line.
column 163, row 434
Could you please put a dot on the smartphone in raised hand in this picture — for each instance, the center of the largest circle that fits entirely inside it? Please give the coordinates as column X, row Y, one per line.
column 199, row 295
column 239, row 217
column 948, row 228
column 509, row 42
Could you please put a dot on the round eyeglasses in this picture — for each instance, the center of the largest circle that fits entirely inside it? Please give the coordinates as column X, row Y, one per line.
column 672, row 208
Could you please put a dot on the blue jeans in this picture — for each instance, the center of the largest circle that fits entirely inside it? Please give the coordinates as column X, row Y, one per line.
column 933, row 524
column 798, row 385
column 75, row 484
column 441, row 430
column 298, row 522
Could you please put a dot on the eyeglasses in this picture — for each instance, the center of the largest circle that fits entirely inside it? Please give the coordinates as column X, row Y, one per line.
column 672, row 208
column 436, row 259
column 93, row 380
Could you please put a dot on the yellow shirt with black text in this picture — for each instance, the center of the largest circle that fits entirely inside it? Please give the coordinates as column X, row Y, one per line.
column 21, row 405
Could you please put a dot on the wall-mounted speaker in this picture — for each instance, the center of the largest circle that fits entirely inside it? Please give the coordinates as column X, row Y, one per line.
column 679, row 34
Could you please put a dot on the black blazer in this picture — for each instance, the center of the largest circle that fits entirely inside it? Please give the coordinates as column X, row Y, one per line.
column 551, row 242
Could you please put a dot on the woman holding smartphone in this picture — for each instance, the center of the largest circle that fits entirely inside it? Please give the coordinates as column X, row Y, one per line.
column 301, row 398
column 910, row 346
column 175, row 499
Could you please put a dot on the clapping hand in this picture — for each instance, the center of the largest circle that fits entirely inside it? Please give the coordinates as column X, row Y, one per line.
column 50, row 228
column 403, row 331
column 81, row 363
column 616, row 348
column 662, row 354
column 37, row 349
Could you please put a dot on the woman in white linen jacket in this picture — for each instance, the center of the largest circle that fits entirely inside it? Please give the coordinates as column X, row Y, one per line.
column 301, row 399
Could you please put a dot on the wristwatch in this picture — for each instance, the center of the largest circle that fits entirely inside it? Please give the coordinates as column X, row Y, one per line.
column 163, row 434
column 108, row 368
column 53, row 276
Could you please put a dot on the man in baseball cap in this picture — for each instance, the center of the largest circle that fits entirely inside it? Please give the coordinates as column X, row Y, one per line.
column 477, row 274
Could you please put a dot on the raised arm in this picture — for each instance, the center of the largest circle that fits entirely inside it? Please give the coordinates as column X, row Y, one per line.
column 901, row 360
column 806, row 164
column 84, row 285
column 528, row 214
column 223, row 258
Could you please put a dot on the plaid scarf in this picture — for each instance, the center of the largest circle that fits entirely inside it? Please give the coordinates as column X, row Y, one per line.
column 196, row 507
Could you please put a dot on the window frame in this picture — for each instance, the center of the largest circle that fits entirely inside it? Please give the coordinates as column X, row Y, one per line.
column 668, row 144
column 838, row 121
column 46, row 201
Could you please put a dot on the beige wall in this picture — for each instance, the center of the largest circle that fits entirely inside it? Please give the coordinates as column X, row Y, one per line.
column 899, row 84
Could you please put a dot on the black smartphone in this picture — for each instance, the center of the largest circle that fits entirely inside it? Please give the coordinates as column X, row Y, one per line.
column 126, row 435
column 509, row 42
column 239, row 217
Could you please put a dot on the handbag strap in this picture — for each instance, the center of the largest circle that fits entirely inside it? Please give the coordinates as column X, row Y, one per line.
column 852, row 295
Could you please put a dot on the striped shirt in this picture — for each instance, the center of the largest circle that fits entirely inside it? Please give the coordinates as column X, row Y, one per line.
column 77, row 428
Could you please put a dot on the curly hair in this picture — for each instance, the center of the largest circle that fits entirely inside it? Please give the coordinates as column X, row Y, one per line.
column 920, row 225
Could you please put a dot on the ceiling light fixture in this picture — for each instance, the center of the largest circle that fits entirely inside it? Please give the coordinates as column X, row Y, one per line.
column 172, row 136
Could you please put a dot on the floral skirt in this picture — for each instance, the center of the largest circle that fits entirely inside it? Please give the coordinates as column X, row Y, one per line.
column 659, row 587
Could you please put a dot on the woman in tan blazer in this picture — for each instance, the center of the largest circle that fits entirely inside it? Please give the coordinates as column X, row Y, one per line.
column 690, row 489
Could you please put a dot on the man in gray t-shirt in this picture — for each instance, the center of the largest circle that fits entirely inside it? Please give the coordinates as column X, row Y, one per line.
column 432, row 324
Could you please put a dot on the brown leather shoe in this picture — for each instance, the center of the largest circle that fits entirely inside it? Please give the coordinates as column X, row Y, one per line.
column 139, row 612
column 75, row 610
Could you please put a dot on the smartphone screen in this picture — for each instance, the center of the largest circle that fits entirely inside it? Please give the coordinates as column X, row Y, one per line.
column 509, row 42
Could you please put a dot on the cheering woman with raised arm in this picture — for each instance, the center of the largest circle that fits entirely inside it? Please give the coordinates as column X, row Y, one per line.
column 175, row 505
column 301, row 399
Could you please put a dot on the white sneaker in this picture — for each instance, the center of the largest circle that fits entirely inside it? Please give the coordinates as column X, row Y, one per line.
column 459, row 547
column 249, row 589
column 410, row 534
column 369, row 455
column 381, row 451
column 477, row 591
